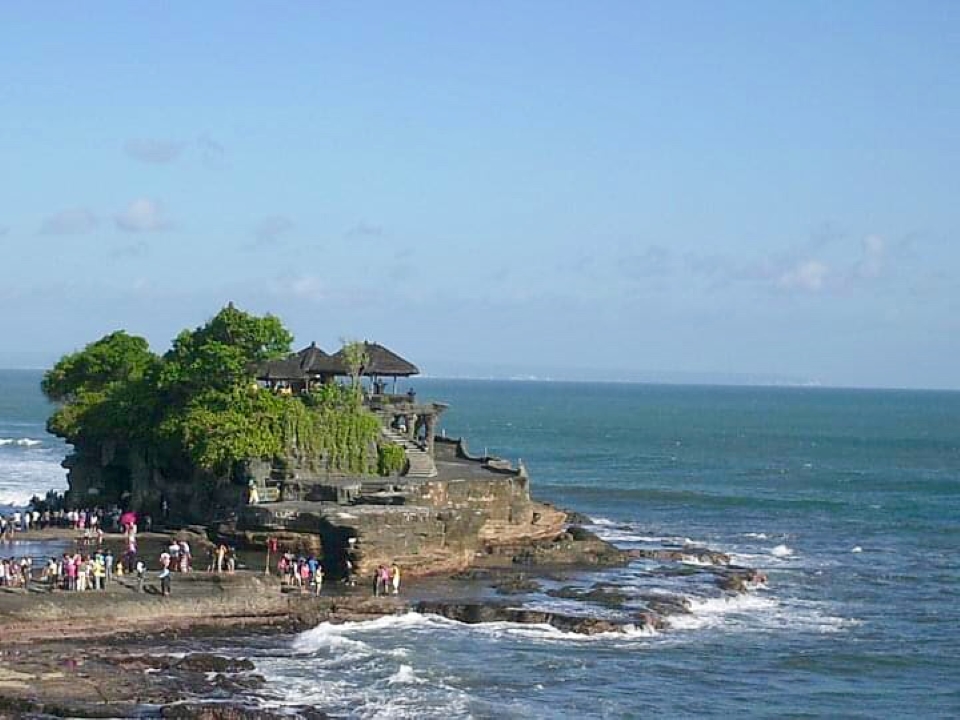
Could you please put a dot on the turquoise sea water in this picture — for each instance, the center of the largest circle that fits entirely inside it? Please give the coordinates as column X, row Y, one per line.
column 850, row 500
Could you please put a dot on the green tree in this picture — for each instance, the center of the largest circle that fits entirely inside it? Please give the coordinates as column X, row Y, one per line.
column 114, row 358
column 104, row 390
column 199, row 406
column 355, row 359
column 223, row 354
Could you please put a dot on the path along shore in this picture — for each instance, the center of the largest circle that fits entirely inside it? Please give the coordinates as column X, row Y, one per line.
column 95, row 653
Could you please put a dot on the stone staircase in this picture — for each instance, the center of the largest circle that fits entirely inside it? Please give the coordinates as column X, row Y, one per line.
column 419, row 462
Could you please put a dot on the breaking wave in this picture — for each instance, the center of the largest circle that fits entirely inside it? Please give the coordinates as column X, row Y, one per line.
column 20, row 442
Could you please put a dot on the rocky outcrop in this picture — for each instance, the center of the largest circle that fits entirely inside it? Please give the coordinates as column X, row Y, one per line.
column 474, row 613
column 699, row 555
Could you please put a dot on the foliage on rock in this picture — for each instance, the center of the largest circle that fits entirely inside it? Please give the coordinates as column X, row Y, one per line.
column 391, row 459
column 199, row 402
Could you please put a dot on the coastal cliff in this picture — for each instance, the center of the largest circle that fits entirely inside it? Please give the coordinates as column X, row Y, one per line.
column 230, row 431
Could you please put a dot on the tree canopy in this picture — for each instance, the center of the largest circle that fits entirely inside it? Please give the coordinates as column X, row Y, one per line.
column 200, row 400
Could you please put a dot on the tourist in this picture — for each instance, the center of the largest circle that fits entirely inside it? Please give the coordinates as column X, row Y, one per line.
column 164, row 576
column 221, row 556
column 377, row 581
column 395, row 578
column 304, row 576
column 174, row 550
column 141, row 572
column 318, row 578
column 99, row 572
column 184, row 552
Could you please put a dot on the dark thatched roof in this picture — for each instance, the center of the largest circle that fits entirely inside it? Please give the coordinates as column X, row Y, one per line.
column 297, row 366
column 312, row 362
column 381, row 361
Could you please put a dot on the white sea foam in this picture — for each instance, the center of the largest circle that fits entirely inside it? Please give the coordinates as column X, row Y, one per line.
column 404, row 676
column 857, row 549
column 753, row 612
column 22, row 476
column 756, row 536
column 20, row 442
column 781, row 551
column 624, row 533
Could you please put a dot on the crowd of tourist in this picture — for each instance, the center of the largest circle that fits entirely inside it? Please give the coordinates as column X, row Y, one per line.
column 90, row 521
column 304, row 573
column 97, row 569
column 386, row 580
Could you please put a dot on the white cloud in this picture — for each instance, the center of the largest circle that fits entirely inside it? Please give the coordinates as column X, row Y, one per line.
column 143, row 215
column 153, row 151
column 806, row 276
column 73, row 221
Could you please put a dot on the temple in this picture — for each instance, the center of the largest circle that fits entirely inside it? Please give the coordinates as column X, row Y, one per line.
column 444, row 509
column 435, row 508
column 406, row 421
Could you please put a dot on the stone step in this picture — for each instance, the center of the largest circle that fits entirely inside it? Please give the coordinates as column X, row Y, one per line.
column 419, row 462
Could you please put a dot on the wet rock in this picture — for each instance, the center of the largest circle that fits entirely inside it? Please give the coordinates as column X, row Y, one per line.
column 516, row 585
column 472, row 574
column 578, row 518
column 233, row 711
column 576, row 546
column 739, row 580
column 474, row 613
column 579, row 534
column 663, row 604
column 209, row 663
column 687, row 554
column 238, row 683
column 611, row 596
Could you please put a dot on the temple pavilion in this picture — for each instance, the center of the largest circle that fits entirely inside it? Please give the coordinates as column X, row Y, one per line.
column 400, row 413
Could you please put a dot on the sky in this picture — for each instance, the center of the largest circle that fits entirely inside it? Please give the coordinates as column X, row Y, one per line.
column 744, row 191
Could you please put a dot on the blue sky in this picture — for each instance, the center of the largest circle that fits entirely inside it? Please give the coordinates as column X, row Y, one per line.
column 611, row 190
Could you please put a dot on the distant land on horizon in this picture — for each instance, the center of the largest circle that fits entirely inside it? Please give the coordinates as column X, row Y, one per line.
column 514, row 373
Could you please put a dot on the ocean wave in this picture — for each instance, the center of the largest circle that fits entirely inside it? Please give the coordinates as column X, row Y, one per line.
column 781, row 551
column 404, row 676
column 412, row 622
column 759, row 612
column 624, row 532
column 22, row 477
column 20, row 442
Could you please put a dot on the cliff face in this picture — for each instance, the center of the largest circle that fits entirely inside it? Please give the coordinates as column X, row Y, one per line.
column 141, row 479
column 475, row 509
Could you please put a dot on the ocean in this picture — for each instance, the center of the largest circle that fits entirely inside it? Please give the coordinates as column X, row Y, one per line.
column 848, row 499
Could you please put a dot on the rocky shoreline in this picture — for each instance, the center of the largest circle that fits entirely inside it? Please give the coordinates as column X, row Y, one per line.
column 100, row 654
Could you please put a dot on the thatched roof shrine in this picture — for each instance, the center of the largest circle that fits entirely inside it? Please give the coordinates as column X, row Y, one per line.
column 380, row 362
column 313, row 363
